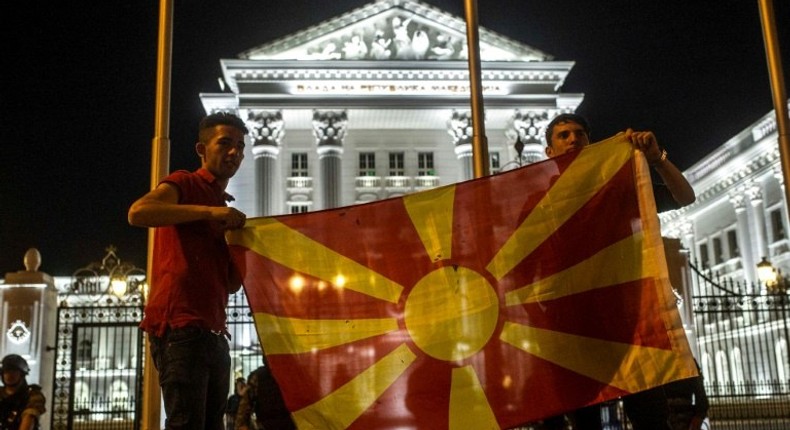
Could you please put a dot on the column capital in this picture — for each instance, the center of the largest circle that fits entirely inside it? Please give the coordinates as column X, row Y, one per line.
column 266, row 129
column 329, row 127
column 738, row 200
column 459, row 126
column 526, row 135
column 755, row 193
column 686, row 227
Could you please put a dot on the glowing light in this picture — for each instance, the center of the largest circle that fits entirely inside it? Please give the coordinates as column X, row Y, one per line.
column 118, row 287
column 296, row 283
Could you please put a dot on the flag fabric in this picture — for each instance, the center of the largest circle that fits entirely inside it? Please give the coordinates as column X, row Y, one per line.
column 481, row 305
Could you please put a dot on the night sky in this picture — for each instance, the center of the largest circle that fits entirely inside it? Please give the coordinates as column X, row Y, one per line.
column 78, row 86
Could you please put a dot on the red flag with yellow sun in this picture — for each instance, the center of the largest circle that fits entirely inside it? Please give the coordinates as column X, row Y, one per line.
column 480, row 305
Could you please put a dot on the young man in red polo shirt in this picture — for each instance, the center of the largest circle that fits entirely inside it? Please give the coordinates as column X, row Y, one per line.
column 192, row 276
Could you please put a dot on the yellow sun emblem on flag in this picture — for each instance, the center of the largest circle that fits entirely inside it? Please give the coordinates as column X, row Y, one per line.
column 400, row 314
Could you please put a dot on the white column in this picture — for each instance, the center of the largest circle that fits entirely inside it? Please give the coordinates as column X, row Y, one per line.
column 460, row 129
column 329, row 128
column 738, row 200
column 267, row 131
column 755, row 195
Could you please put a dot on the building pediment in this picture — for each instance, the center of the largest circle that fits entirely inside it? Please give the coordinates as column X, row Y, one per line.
column 392, row 30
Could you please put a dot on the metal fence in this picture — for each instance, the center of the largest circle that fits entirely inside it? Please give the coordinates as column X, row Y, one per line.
column 98, row 365
column 742, row 332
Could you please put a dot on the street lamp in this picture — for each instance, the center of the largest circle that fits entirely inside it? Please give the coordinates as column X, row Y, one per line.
column 109, row 276
column 766, row 273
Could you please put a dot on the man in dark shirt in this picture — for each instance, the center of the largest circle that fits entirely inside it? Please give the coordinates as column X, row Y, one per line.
column 647, row 410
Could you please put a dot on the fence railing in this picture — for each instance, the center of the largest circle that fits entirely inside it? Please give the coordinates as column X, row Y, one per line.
column 742, row 332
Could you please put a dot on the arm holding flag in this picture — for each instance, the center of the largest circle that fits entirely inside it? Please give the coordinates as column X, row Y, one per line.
column 160, row 207
column 656, row 156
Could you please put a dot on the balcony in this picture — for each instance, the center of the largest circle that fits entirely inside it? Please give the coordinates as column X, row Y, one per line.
column 422, row 183
column 299, row 184
column 397, row 185
column 368, row 188
column 300, row 188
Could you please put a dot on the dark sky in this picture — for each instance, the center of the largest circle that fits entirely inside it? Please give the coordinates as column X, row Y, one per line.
column 78, row 86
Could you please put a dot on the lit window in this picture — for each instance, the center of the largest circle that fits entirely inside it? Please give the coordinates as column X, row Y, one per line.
column 495, row 164
column 299, row 165
column 425, row 164
column 396, row 164
column 367, row 164
column 777, row 226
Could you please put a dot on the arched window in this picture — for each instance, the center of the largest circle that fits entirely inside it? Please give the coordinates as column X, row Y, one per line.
column 782, row 365
column 82, row 397
column 708, row 371
column 736, row 370
column 722, row 372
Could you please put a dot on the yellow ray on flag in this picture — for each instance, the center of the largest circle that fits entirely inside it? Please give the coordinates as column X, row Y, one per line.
column 469, row 408
column 611, row 363
column 432, row 215
column 281, row 335
column 594, row 272
column 572, row 190
column 276, row 241
column 351, row 400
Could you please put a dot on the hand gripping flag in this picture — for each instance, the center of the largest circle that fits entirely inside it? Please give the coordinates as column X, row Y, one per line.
column 480, row 305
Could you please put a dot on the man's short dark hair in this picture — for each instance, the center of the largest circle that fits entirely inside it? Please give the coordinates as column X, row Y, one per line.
column 208, row 123
column 566, row 117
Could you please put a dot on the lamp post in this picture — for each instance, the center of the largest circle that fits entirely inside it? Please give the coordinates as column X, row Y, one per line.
column 769, row 276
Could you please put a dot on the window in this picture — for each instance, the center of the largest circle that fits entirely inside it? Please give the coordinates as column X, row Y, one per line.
column 299, row 209
column 777, row 226
column 732, row 244
column 299, row 164
column 367, row 164
column 704, row 259
column 495, row 164
column 425, row 164
column 396, row 164
column 718, row 257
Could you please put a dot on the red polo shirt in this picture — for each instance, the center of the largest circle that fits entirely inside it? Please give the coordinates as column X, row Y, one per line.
column 189, row 276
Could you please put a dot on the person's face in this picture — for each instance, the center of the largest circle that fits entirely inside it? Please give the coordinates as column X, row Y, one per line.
column 223, row 153
column 12, row 377
column 566, row 137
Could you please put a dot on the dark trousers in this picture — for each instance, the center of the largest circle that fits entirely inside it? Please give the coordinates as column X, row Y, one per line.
column 586, row 418
column 648, row 410
column 194, row 373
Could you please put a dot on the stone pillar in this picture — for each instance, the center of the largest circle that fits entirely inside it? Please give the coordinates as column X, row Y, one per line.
column 760, row 243
column 780, row 177
column 686, row 234
column 526, row 136
column 28, row 312
column 738, row 201
column 460, row 128
column 329, row 128
column 267, row 132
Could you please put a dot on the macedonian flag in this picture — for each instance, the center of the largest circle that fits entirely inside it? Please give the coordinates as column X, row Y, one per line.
column 480, row 305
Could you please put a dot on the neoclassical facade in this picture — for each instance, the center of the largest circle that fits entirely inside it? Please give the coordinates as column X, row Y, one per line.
column 740, row 215
column 375, row 104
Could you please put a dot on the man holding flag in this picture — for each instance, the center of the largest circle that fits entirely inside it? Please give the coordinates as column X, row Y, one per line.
column 192, row 276
column 647, row 410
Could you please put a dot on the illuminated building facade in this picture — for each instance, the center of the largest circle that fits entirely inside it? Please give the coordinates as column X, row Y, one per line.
column 375, row 104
